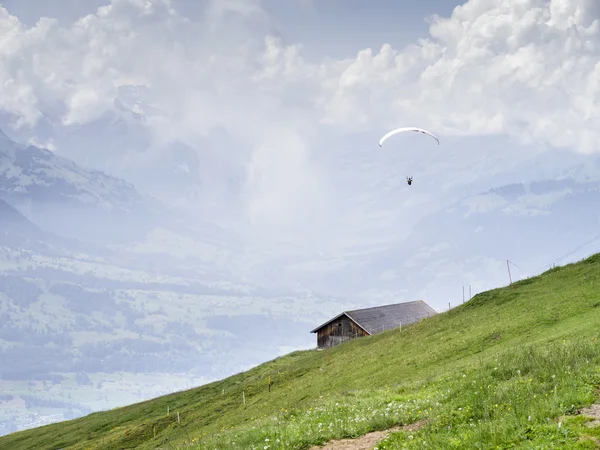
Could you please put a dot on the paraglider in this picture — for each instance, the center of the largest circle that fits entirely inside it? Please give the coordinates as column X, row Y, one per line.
column 409, row 180
column 401, row 130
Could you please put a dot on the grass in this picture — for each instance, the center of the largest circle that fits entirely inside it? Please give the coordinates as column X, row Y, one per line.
column 508, row 369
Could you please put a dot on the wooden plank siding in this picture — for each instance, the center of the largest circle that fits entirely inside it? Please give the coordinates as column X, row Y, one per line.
column 369, row 321
column 340, row 330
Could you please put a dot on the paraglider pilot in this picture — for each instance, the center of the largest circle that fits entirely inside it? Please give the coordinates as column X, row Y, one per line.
column 409, row 180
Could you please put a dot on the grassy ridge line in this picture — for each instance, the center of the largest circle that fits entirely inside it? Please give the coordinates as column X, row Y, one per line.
column 560, row 304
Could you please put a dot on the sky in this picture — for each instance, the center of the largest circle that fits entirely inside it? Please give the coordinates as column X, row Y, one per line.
column 344, row 25
column 279, row 105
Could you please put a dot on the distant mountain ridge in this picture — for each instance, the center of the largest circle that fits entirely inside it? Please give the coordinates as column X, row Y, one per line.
column 529, row 223
column 24, row 170
column 14, row 226
column 49, row 189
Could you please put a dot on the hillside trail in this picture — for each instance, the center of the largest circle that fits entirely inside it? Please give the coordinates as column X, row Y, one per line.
column 369, row 440
column 593, row 412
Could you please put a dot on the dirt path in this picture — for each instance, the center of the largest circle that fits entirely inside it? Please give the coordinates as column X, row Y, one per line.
column 368, row 441
column 593, row 412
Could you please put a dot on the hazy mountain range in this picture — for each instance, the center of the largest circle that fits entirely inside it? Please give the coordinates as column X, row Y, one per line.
column 85, row 291
column 109, row 295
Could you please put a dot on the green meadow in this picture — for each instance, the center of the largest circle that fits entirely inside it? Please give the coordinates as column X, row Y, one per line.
column 511, row 368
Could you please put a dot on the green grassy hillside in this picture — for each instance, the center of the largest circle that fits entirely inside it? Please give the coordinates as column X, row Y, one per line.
column 510, row 368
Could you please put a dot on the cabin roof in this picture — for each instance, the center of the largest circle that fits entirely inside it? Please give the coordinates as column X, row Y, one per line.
column 388, row 316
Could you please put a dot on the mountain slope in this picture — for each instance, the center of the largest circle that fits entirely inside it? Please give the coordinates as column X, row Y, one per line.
column 374, row 382
column 68, row 199
column 468, row 242
column 18, row 232
column 14, row 225
column 88, row 205
column 29, row 172
column 101, row 286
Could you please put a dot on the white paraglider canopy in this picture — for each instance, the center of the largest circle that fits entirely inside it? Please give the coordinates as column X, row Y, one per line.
column 401, row 130
column 409, row 180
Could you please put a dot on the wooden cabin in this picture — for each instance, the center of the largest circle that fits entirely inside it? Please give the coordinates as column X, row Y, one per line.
column 368, row 321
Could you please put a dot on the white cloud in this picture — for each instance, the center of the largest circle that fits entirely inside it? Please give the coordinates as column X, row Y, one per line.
column 492, row 67
column 283, row 178
column 49, row 145
column 527, row 69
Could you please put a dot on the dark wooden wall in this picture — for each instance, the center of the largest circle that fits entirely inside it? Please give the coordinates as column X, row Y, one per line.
column 340, row 330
